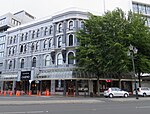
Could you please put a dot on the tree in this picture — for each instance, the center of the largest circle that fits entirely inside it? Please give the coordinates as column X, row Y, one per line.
column 104, row 42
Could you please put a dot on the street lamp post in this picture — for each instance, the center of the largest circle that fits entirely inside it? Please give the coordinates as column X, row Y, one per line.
column 132, row 51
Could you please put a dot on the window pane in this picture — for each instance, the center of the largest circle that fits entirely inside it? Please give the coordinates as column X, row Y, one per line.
column 60, row 59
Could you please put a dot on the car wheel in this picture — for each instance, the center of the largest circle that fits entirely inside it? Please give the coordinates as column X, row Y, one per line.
column 125, row 95
column 144, row 94
column 110, row 95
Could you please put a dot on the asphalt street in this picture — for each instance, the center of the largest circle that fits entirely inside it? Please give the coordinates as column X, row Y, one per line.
column 73, row 105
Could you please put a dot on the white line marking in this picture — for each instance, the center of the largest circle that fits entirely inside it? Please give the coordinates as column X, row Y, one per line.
column 29, row 112
column 143, row 107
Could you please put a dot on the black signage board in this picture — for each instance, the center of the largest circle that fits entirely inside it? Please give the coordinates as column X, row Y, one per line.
column 25, row 75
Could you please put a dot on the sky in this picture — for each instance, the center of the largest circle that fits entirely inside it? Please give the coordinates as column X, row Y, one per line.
column 43, row 8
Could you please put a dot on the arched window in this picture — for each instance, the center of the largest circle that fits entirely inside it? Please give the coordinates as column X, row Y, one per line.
column 21, row 48
column 70, row 25
column 47, row 60
column 46, row 31
column 14, row 39
column 82, row 25
column 22, row 63
column 59, row 27
column 10, row 64
column 46, row 42
column 13, row 50
column 33, row 34
column 59, row 59
column 38, row 33
column 50, row 42
column 22, row 36
column 11, row 39
column 26, row 36
column 37, row 46
column 59, row 41
column 32, row 46
column 25, row 48
column 71, row 40
column 34, row 62
column 51, row 30
column 9, row 51
column 70, row 58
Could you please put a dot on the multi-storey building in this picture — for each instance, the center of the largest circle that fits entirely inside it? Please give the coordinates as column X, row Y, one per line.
column 137, row 6
column 39, row 54
column 7, row 21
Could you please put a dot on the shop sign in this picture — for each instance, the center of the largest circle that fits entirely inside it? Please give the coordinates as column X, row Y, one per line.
column 25, row 75
column 108, row 81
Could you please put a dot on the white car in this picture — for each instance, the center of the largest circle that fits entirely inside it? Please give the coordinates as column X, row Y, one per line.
column 143, row 91
column 115, row 92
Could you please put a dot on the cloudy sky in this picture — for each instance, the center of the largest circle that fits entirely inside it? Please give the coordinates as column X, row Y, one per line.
column 42, row 8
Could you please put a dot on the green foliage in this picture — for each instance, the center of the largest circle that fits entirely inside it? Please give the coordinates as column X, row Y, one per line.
column 105, row 40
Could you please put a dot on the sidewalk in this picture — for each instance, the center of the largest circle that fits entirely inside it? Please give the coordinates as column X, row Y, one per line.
column 25, row 100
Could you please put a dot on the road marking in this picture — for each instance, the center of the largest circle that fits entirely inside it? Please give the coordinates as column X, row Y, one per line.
column 143, row 107
column 29, row 112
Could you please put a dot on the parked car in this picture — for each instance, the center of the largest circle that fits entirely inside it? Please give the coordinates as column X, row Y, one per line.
column 143, row 91
column 115, row 92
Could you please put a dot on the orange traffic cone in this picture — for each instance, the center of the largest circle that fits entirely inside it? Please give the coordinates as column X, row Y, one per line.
column 11, row 93
column 39, row 93
column 4, row 93
column 30, row 93
column 17, row 93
